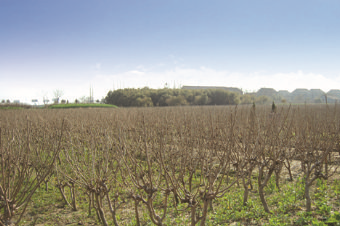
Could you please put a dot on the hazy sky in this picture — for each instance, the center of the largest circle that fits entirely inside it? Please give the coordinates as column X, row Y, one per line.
column 74, row 44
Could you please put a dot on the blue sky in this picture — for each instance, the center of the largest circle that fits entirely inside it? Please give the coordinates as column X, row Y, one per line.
column 74, row 44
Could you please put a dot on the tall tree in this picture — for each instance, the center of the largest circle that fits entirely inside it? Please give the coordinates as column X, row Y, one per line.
column 57, row 94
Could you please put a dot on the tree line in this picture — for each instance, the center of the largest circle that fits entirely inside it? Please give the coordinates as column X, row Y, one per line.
column 146, row 97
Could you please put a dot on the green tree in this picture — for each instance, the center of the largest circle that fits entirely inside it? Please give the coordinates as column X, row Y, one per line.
column 176, row 101
column 144, row 102
column 262, row 100
column 201, row 100
column 247, row 99
column 222, row 97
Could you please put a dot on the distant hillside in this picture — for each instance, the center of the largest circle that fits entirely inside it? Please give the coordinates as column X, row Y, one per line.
column 297, row 96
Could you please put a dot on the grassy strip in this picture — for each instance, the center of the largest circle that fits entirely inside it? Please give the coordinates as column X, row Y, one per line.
column 14, row 106
column 11, row 108
column 48, row 208
column 63, row 106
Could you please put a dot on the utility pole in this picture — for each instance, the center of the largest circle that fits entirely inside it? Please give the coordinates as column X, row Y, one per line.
column 91, row 94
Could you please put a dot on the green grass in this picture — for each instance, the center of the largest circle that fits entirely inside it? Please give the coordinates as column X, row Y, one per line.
column 11, row 108
column 63, row 106
column 287, row 206
column 14, row 106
